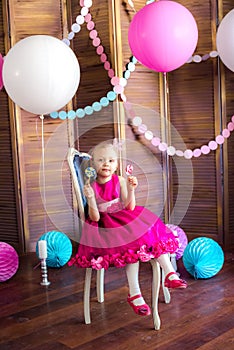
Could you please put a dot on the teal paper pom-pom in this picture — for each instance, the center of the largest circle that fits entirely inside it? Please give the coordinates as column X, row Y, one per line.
column 59, row 248
column 203, row 257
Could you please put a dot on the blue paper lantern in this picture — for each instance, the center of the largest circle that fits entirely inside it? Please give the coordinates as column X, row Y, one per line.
column 59, row 248
column 203, row 257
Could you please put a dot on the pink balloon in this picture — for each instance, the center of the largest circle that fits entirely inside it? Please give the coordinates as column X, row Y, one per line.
column 163, row 35
column 1, row 65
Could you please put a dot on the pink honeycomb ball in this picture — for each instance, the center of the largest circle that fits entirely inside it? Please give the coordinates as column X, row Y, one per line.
column 9, row 261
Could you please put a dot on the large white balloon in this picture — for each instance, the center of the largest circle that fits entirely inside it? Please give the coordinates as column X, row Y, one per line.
column 41, row 74
column 225, row 40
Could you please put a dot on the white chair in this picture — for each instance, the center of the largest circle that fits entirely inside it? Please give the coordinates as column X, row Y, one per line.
column 76, row 162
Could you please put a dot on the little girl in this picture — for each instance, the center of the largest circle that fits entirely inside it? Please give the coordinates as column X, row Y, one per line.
column 119, row 233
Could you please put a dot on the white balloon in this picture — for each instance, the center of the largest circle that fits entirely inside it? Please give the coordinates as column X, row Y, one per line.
column 225, row 40
column 41, row 74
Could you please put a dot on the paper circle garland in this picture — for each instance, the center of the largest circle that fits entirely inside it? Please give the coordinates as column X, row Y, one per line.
column 59, row 248
column 182, row 238
column 163, row 35
column 203, row 257
column 41, row 74
column 9, row 261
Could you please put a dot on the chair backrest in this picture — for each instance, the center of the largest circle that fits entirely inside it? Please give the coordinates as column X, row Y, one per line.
column 77, row 162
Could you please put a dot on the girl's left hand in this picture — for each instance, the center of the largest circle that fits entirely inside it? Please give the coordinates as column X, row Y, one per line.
column 132, row 182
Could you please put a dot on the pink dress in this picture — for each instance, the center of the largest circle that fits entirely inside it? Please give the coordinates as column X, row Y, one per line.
column 121, row 236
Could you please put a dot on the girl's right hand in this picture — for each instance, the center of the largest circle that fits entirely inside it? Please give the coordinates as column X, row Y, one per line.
column 132, row 183
column 88, row 191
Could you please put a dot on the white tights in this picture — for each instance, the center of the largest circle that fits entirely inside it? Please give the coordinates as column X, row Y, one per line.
column 132, row 272
column 165, row 263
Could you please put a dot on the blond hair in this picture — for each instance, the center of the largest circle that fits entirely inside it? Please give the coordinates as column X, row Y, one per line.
column 104, row 145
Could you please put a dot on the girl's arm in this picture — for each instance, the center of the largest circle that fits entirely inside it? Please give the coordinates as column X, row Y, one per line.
column 128, row 191
column 92, row 205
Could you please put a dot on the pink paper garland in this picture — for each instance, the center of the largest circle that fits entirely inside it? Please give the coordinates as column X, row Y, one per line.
column 188, row 153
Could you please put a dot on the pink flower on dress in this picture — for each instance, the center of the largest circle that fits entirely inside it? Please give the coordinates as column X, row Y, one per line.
column 165, row 247
column 105, row 263
column 100, row 262
column 120, row 263
column 130, row 257
column 172, row 245
column 97, row 263
column 82, row 261
column 117, row 260
column 144, row 254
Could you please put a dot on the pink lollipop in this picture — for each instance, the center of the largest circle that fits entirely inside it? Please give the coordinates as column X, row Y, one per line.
column 129, row 169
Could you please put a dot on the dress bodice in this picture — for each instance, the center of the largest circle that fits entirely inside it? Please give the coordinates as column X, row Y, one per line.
column 108, row 191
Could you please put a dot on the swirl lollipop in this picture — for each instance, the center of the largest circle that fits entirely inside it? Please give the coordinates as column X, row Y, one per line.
column 129, row 169
column 90, row 173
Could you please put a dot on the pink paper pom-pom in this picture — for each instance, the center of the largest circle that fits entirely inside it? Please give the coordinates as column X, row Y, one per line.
column 182, row 239
column 9, row 261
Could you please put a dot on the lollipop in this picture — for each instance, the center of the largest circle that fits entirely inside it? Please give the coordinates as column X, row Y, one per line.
column 90, row 173
column 129, row 169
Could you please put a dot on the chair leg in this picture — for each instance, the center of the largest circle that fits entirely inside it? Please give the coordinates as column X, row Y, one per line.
column 100, row 285
column 155, row 292
column 166, row 293
column 87, row 284
column 173, row 261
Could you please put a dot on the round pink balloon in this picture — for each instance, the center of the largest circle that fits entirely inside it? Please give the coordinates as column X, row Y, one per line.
column 163, row 35
column 1, row 65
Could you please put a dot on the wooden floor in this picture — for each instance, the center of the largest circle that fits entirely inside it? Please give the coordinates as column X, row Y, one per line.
column 51, row 318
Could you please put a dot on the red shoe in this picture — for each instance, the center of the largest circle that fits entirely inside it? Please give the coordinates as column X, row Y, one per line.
column 174, row 283
column 142, row 310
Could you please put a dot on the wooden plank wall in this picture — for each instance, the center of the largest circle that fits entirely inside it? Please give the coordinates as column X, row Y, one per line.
column 193, row 113
column 9, row 216
column 143, row 95
column 195, row 120
column 46, row 194
column 229, row 150
column 95, row 82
